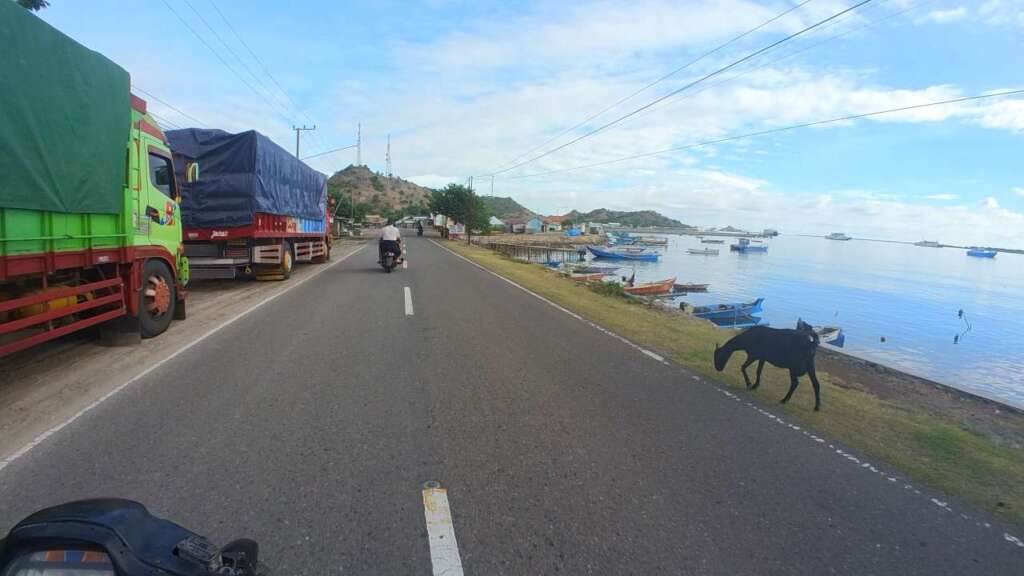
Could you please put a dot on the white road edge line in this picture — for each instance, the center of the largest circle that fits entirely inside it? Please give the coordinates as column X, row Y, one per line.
column 622, row 339
column 405, row 263
column 444, row 549
column 408, row 301
column 39, row 439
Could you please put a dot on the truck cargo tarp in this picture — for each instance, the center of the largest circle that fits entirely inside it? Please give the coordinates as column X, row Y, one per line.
column 241, row 174
column 65, row 119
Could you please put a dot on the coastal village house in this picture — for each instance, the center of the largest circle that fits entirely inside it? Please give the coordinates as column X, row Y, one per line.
column 515, row 226
column 496, row 222
column 534, row 225
column 552, row 223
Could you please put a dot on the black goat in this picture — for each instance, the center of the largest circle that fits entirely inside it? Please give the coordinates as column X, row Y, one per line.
column 785, row 348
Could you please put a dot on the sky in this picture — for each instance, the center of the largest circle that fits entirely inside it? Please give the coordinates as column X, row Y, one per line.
column 466, row 88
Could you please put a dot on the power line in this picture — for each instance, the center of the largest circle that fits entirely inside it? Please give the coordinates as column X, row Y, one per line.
column 663, row 78
column 318, row 154
column 263, row 65
column 164, row 121
column 215, row 52
column 870, row 24
column 774, row 131
column 275, row 103
column 167, row 104
column 689, row 85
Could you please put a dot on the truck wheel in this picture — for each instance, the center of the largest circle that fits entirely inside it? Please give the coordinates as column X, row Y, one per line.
column 287, row 260
column 157, row 299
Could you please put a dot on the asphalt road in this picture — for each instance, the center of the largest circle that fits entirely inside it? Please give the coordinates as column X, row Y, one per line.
column 312, row 423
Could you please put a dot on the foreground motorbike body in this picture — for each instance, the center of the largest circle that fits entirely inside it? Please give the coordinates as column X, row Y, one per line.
column 112, row 537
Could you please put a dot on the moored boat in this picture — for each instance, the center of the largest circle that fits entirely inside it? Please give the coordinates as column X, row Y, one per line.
column 831, row 335
column 622, row 255
column 741, row 321
column 725, row 311
column 651, row 288
column 704, row 252
column 928, row 244
column 838, row 236
column 596, row 277
column 744, row 246
column 981, row 252
column 691, row 287
column 710, row 241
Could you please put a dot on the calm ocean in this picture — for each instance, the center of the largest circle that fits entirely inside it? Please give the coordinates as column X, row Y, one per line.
column 907, row 295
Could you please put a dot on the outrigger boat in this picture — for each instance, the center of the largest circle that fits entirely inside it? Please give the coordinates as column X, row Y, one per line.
column 651, row 288
column 621, row 255
column 725, row 311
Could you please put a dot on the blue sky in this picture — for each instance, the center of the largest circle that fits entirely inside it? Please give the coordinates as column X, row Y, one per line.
column 464, row 87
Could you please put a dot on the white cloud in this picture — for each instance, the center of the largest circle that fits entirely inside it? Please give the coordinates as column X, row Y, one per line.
column 991, row 202
column 945, row 16
column 942, row 197
column 1019, row 191
column 1003, row 12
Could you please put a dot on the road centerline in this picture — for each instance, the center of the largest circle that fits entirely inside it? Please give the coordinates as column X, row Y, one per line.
column 444, row 549
column 408, row 301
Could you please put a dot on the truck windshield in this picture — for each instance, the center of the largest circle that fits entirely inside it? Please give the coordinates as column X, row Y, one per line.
column 161, row 175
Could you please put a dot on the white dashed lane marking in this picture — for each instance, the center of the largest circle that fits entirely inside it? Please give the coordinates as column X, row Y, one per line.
column 444, row 549
column 408, row 301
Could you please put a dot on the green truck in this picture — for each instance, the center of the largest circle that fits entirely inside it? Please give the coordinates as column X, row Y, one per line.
column 90, row 227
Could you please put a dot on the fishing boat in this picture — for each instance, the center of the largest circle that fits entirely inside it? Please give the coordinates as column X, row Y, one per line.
column 691, row 287
column 651, row 288
column 710, row 241
column 838, row 236
column 726, row 311
column 599, row 252
column 831, row 335
column 928, row 244
column 653, row 240
column 741, row 321
column 596, row 277
column 745, row 246
column 704, row 252
column 981, row 252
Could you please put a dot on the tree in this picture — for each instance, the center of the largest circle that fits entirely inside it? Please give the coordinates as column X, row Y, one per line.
column 462, row 205
column 33, row 5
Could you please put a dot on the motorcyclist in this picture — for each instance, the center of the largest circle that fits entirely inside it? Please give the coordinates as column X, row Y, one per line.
column 390, row 238
column 419, row 228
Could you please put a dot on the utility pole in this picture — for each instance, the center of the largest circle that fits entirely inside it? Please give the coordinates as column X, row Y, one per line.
column 469, row 213
column 299, row 130
column 387, row 157
column 359, row 144
column 492, row 184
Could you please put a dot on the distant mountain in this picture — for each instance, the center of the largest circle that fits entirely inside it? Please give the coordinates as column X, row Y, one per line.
column 504, row 207
column 638, row 219
column 380, row 192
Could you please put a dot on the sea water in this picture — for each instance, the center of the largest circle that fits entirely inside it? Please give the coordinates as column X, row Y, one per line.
column 897, row 303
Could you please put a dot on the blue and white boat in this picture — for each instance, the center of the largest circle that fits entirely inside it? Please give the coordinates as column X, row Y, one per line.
column 622, row 254
column 745, row 245
column 738, row 322
column 981, row 252
column 727, row 311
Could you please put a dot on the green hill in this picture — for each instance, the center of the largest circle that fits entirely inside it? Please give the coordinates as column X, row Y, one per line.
column 638, row 219
column 504, row 207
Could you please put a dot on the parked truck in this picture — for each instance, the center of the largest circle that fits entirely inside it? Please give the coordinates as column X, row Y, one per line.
column 90, row 228
column 257, row 209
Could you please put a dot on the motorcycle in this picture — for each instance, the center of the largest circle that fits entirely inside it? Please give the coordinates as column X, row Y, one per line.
column 108, row 537
column 389, row 260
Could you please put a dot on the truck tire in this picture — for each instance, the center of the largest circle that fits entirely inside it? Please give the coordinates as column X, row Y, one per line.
column 287, row 260
column 157, row 299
